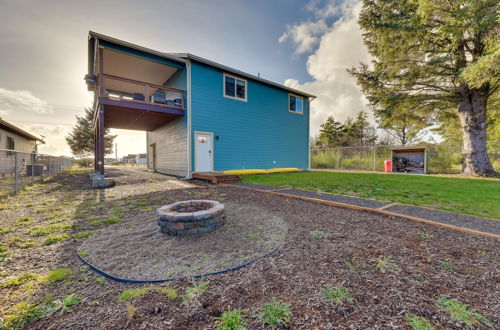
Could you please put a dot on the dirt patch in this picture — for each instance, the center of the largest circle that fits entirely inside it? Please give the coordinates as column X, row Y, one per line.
column 135, row 249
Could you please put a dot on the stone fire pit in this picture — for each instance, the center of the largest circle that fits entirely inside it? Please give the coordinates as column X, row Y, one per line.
column 193, row 217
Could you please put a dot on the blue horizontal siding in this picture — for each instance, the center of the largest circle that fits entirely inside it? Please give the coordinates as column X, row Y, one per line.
column 259, row 133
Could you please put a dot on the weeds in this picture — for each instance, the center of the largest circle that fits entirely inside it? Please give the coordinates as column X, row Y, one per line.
column 58, row 275
column 461, row 313
column 131, row 310
column 49, row 229
column 130, row 294
column 83, row 253
column 56, row 239
column 232, row 320
column 6, row 230
column 385, row 264
column 20, row 280
column 23, row 221
column 193, row 293
column 319, row 234
column 446, row 265
column 20, row 242
column 419, row 323
column 275, row 313
column 336, row 295
column 84, row 234
column 21, row 315
column 424, row 235
column 112, row 220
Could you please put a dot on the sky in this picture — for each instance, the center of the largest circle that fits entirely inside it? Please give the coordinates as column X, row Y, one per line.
column 306, row 45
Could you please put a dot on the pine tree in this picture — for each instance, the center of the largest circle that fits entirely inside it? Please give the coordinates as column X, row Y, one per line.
column 81, row 138
column 438, row 56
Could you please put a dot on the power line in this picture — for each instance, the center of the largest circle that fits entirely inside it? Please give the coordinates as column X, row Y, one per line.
column 43, row 123
column 57, row 106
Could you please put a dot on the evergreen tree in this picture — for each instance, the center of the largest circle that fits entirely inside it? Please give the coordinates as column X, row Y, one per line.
column 331, row 132
column 438, row 55
column 358, row 132
column 81, row 138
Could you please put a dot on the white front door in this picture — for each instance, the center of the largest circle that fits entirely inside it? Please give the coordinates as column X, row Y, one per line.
column 203, row 152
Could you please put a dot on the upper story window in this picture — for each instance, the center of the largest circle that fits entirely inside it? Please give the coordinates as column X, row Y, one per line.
column 295, row 104
column 235, row 88
column 11, row 145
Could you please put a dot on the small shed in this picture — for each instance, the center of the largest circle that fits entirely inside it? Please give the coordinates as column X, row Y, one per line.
column 409, row 160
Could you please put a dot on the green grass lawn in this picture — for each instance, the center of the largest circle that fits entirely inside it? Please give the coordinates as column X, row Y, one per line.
column 471, row 196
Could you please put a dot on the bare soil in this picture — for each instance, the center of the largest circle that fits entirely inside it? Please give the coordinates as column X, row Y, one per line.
column 323, row 245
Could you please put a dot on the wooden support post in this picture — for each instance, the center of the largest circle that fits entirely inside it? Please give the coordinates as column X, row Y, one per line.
column 100, row 123
column 96, row 150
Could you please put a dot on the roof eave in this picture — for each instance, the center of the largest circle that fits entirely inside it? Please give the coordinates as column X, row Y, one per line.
column 241, row 73
column 16, row 130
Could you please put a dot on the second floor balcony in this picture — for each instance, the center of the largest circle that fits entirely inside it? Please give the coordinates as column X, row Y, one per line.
column 128, row 92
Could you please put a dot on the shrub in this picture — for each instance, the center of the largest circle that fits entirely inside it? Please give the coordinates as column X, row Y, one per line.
column 232, row 320
column 275, row 313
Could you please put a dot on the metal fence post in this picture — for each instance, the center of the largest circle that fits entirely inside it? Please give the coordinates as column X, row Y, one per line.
column 374, row 156
column 16, row 174
column 338, row 158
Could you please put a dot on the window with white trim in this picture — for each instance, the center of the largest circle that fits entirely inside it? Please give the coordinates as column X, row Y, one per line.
column 235, row 88
column 295, row 103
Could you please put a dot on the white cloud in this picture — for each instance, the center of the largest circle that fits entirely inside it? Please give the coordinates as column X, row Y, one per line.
column 11, row 101
column 340, row 47
column 305, row 35
column 53, row 135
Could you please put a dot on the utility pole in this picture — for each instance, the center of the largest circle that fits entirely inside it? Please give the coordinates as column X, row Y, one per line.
column 116, row 152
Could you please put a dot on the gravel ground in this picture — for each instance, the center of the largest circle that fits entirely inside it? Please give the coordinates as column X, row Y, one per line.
column 456, row 219
column 390, row 266
column 336, row 198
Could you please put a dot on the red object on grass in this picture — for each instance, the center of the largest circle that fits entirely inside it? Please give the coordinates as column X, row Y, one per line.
column 388, row 166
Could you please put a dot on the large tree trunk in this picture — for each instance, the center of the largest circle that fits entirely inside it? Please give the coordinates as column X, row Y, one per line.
column 472, row 114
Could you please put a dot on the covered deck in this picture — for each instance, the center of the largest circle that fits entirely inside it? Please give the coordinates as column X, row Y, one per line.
column 131, row 89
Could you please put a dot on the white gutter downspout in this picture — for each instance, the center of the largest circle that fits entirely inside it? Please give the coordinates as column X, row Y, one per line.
column 189, row 128
column 309, row 134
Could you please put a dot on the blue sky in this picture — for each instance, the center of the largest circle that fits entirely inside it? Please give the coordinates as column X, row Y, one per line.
column 43, row 51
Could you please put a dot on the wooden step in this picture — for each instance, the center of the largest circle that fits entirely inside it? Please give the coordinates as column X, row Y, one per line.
column 215, row 177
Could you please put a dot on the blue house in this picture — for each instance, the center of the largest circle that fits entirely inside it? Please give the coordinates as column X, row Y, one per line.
column 200, row 116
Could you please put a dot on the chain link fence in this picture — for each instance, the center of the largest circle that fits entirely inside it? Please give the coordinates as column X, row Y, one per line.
column 20, row 169
column 444, row 158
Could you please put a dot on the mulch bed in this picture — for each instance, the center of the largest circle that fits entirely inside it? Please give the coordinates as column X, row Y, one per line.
column 135, row 249
column 461, row 266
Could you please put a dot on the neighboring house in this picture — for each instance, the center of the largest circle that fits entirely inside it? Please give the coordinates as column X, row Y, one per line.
column 135, row 159
column 199, row 115
column 15, row 139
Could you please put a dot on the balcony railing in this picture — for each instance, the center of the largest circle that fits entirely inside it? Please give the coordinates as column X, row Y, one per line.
column 118, row 88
